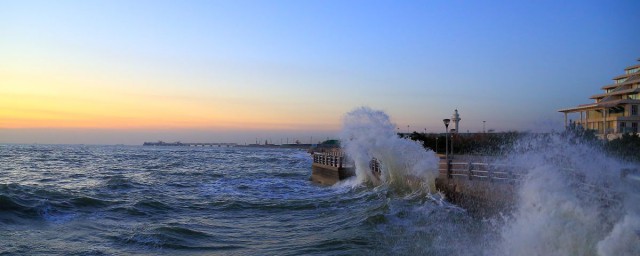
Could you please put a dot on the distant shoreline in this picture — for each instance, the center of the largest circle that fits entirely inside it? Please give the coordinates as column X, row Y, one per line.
column 201, row 144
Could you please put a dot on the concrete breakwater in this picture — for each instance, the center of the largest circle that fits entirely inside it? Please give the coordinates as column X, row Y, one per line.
column 330, row 167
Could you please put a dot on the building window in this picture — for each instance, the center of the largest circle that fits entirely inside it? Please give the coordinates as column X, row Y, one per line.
column 621, row 80
column 631, row 71
column 634, row 127
column 622, row 127
column 634, row 110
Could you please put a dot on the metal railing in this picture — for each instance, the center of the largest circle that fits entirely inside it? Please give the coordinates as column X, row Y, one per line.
column 333, row 159
column 374, row 165
column 601, row 191
column 338, row 160
column 480, row 171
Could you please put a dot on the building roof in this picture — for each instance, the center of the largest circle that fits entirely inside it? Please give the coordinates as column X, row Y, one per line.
column 579, row 107
column 599, row 105
column 622, row 76
column 620, row 92
column 632, row 67
column 634, row 78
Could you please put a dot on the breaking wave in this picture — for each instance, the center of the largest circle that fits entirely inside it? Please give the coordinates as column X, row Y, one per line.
column 573, row 201
column 405, row 164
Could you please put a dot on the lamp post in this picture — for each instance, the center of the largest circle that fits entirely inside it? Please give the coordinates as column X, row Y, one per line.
column 483, row 126
column 446, row 138
column 453, row 133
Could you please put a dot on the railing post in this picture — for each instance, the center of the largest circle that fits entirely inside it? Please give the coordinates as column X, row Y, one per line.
column 333, row 160
column 470, row 170
column 449, row 174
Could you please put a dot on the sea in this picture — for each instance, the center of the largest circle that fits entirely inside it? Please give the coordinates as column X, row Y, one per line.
column 135, row 200
column 140, row 200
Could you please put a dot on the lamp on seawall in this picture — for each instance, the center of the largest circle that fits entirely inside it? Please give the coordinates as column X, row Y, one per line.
column 446, row 138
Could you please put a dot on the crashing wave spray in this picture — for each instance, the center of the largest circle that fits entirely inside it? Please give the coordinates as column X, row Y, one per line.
column 573, row 201
column 368, row 134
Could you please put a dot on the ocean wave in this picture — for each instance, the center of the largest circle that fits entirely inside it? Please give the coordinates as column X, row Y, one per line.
column 17, row 206
column 86, row 201
column 120, row 182
column 150, row 204
column 178, row 237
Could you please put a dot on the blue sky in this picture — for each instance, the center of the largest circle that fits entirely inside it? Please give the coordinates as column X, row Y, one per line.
column 238, row 70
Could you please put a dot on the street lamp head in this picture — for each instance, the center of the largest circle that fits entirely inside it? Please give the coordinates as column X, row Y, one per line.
column 446, row 122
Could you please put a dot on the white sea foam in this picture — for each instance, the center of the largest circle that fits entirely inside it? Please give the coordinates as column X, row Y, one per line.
column 572, row 201
column 368, row 134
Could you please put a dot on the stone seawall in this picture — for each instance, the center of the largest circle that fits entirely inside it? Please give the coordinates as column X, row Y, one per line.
column 482, row 197
column 477, row 187
column 329, row 175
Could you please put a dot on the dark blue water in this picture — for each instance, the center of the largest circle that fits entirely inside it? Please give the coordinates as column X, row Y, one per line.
column 126, row 200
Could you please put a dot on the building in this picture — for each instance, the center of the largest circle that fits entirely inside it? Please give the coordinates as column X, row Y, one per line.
column 614, row 112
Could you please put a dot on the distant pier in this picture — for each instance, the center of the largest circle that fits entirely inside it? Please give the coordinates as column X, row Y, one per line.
column 190, row 144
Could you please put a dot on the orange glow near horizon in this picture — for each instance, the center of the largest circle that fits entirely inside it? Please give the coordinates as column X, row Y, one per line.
column 54, row 102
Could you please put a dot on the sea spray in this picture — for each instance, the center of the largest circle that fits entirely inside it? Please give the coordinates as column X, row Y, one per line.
column 369, row 134
column 571, row 202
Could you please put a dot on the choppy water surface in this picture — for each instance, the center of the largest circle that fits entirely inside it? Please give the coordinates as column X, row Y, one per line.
column 103, row 200
column 132, row 200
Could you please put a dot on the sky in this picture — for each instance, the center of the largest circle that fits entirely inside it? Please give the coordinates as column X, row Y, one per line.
column 125, row 72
